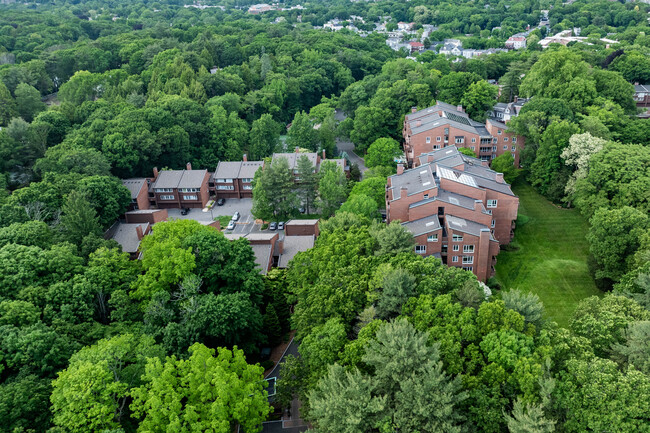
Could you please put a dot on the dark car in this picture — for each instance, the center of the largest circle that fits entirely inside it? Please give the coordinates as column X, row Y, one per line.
column 185, row 211
column 221, row 201
column 273, row 226
column 301, row 209
column 281, row 226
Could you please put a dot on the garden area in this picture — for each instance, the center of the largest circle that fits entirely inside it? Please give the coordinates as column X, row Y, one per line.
column 549, row 255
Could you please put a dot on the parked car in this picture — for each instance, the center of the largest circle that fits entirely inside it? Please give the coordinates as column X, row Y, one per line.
column 185, row 211
column 281, row 225
column 221, row 201
column 236, row 216
column 273, row 226
column 231, row 225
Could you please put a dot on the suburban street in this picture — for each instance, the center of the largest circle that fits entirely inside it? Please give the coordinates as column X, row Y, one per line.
column 347, row 146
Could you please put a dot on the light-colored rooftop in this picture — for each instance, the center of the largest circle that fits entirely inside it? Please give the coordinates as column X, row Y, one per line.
column 292, row 245
column 127, row 236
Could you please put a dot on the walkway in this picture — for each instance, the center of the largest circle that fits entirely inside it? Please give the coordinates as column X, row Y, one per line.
column 348, row 147
column 292, row 423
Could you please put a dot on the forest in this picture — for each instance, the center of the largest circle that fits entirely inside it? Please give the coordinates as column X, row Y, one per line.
column 92, row 92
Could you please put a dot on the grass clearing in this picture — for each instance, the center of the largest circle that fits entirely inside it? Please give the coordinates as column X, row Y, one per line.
column 552, row 257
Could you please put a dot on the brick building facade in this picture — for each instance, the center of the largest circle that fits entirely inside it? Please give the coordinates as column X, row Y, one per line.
column 456, row 208
column 444, row 125
column 180, row 188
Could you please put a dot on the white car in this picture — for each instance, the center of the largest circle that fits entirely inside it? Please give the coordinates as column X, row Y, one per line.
column 236, row 216
column 231, row 225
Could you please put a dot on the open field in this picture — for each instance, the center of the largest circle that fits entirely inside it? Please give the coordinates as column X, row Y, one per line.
column 552, row 257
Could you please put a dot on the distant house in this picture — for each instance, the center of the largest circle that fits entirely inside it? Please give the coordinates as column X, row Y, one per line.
column 416, row 47
column 315, row 159
column 504, row 112
column 259, row 8
column 516, row 42
column 450, row 49
column 405, row 27
column 129, row 236
column 642, row 95
column 180, row 188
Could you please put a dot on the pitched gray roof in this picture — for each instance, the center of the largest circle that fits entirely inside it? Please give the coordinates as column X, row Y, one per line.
column 127, row 237
column 262, row 256
column 423, row 225
column 180, row 179
column 466, row 226
column 292, row 158
column 168, row 179
column 292, row 245
column 642, row 88
column 249, row 168
column 134, row 185
column 227, row 170
column 498, row 124
column 192, row 178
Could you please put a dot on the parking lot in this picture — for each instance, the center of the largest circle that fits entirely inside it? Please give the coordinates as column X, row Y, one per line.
column 246, row 223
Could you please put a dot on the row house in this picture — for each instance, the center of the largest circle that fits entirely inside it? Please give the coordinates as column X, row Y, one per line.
column 179, row 188
column 234, row 179
column 444, row 124
column 457, row 209
column 503, row 112
column 139, row 189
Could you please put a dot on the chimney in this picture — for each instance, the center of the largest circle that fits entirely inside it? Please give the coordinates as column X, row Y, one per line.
column 155, row 173
column 418, row 123
column 459, row 108
column 324, row 155
column 403, row 192
column 138, row 232
column 296, row 149
column 499, row 178
column 245, row 158
column 477, row 205
column 414, row 109
column 188, row 165
column 400, row 168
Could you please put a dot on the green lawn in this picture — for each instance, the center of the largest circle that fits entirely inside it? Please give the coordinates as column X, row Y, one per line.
column 552, row 257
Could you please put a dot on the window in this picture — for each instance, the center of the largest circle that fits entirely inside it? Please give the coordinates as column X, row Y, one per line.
column 491, row 203
column 455, row 248
column 514, row 148
column 494, row 148
column 436, row 146
column 473, row 140
column 459, row 140
column 167, row 197
column 493, row 222
column 247, row 180
column 494, row 140
column 190, row 189
column 468, row 260
column 432, row 238
column 426, row 196
column 164, row 189
column 473, row 148
column 468, row 249
column 190, row 197
column 505, row 147
column 513, row 156
column 457, row 238
column 438, row 139
column 514, row 139
column 223, row 180
column 454, row 259
column 225, row 187
column 468, row 268
column 420, row 249
column 499, row 131
column 428, row 139
column 505, row 139
column 248, row 187
column 494, row 155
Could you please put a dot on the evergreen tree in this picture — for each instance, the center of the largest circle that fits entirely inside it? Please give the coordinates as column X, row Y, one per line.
column 272, row 326
column 79, row 218
column 308, row 182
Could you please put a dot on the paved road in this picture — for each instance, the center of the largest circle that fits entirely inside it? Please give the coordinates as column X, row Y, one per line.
column 348, row 147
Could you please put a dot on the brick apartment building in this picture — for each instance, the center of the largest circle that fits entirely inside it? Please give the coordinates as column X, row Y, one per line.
column 139, row 188
column 444, row 124
column 179, row 188
column 234, row 179
column 456, row 207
